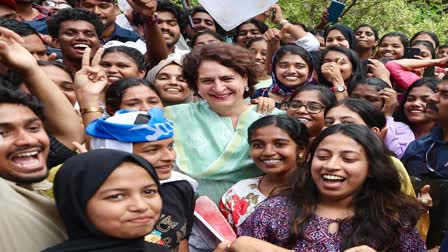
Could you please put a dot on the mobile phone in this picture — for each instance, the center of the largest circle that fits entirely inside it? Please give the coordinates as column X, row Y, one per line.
column 365, row 64
column 411, row 52
column 335, row 10
column 273, row 13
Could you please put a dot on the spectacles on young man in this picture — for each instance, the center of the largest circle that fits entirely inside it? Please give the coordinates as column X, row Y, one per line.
column 311, row 107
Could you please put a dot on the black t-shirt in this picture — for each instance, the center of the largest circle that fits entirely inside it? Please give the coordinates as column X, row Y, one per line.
column 176, row 219
column 58, row 153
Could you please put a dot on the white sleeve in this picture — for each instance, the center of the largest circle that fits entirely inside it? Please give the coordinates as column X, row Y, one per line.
column 308, row 42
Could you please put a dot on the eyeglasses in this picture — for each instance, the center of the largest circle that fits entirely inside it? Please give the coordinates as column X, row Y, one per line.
column 311, row 107
column 53, row 4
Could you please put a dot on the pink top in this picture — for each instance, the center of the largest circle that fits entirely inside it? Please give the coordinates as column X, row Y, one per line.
column 402, row 77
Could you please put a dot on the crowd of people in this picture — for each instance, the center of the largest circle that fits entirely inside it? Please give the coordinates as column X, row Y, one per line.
column 116, row 115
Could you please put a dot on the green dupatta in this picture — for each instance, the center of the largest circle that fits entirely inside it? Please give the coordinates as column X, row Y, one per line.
column 207, row 146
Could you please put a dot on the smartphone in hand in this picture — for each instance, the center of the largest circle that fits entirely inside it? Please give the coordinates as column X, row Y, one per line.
column 411, row 52
column 273, row 13
column 335, row 10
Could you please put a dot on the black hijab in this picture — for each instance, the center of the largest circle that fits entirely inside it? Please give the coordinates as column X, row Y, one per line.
column 346, row 31
column 75, row 183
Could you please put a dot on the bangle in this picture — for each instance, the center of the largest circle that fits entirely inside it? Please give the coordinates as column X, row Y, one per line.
column 91, row 110
column 282, row 22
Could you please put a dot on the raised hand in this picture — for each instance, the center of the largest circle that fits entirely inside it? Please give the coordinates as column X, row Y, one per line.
column 91, row 81
column 378, row 70
column 12, row 53
column 278, row 13
column 390, row 101
column 424, row 196
column 146, row 8
column 332, row 72
column 272, row 35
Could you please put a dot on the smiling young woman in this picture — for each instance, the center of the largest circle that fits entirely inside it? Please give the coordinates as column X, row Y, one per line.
column 278, row 146
column 335, row 201
column 111, row 208
column 292, row 68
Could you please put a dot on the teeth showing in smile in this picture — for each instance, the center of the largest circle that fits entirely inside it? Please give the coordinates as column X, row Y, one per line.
column 304, row 120
column 333, row 178
column 28, row 154
column 80, row 46
column 291, row 78
column 271, row 161
column 173, row 90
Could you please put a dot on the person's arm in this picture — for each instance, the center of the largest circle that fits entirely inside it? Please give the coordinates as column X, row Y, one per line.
column 156, row 49
column 183, row 246
column 272, row 37
column 62, row 122
column 323, row 21
column 377, row 69
column 90, row 84
column 402, row 77
column 398, row 136
column 411, row 64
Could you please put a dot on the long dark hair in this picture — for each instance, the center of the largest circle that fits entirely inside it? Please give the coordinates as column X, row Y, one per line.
column 430, row 83
column 381, row 210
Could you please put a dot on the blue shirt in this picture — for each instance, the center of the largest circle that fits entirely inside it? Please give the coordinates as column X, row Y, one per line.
column 444, row 246
column 427, row 156
column 122, row 35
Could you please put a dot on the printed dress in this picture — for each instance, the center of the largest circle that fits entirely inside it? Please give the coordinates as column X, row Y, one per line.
column 240, row 201
column 272, row 219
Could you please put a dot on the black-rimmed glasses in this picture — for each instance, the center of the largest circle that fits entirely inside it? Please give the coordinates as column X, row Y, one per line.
column 311, row 107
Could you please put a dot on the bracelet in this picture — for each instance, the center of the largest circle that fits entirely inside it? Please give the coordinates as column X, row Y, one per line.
column 91, row 110
column 282, row 22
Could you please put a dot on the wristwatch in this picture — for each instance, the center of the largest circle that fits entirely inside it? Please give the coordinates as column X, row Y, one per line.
column 339, row 88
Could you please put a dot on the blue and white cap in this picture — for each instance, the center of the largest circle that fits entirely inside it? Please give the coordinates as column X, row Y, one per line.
column 129, row 126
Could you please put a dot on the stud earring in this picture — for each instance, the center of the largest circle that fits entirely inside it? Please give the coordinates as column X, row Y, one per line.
column 246, row 88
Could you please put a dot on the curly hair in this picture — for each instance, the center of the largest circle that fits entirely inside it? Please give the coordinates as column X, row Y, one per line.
column 178, row 13
column 232, row 56
column 381, row 210
column 74, row 14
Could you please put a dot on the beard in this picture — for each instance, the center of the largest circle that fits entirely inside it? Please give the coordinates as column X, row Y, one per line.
column 26, row 180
